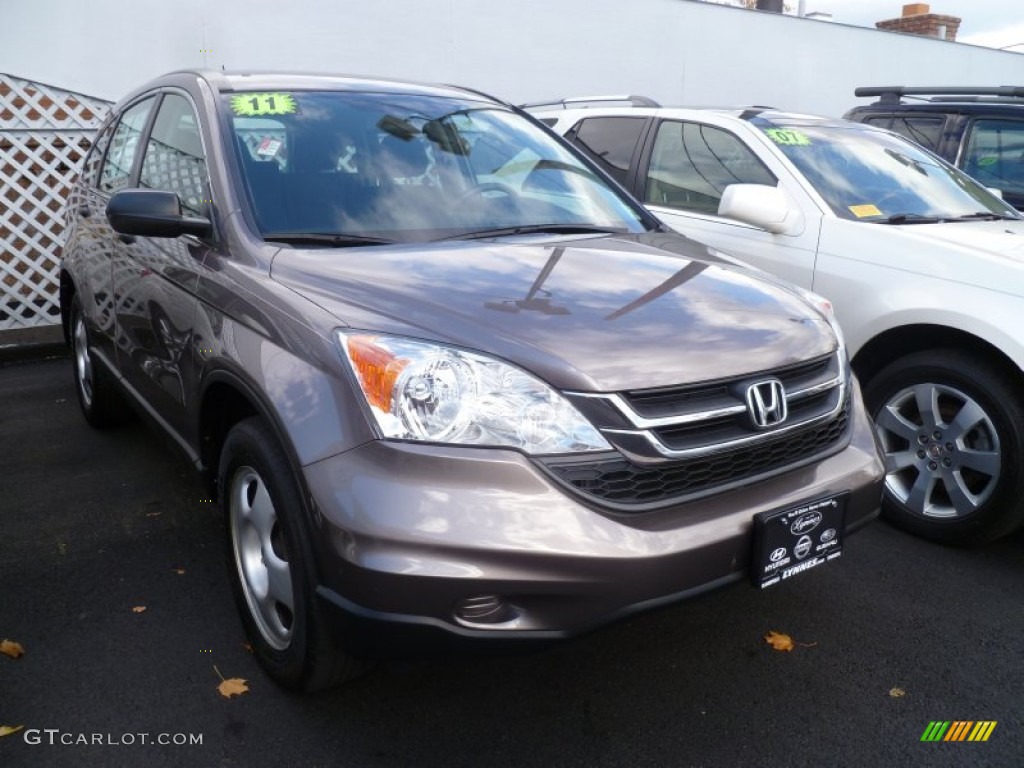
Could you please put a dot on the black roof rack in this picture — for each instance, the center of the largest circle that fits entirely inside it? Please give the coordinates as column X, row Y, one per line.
column 633, row 101
column 891, row 94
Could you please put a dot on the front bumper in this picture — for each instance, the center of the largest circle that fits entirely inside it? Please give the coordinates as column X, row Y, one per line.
column 407, row 532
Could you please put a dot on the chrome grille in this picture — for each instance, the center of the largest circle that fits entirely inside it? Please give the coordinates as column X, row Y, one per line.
column 697, row 420
column 622, row 483
column 676, row 442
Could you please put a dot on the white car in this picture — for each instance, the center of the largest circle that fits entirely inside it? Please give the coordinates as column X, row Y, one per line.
column 925, row 268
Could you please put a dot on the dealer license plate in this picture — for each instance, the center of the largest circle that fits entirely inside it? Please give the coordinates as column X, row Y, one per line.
column 790, row 541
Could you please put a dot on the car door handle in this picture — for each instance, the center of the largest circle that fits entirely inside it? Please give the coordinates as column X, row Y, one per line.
column 84, row 211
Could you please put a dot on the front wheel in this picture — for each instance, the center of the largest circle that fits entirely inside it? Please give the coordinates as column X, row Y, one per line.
column 270, row 560
column 951, row 425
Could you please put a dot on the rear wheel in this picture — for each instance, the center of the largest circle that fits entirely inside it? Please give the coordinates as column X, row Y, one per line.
column 101, row 403
column 271, row 563
column 951, row 425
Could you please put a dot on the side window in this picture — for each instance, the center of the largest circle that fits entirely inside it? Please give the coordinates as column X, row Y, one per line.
column 117, row 166
column 879, row 121
column 174, row 159
column 610, row 142
column 692, row 164
column 93, row 161
column 995, row 155
column 926, row 131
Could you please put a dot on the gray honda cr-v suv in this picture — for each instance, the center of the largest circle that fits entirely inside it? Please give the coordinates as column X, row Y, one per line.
column 454, row 387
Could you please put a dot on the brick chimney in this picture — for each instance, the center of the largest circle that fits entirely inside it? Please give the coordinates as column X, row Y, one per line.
column 917, row 19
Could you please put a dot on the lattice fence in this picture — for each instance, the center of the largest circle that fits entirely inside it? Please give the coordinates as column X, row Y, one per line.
column 44, row 135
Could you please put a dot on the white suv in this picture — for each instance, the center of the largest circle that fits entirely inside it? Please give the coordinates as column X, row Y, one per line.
column 925, row 268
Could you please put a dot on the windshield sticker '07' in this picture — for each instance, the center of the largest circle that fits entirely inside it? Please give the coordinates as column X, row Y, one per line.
column 863, row 211
column 788, row 137
column 255, row 104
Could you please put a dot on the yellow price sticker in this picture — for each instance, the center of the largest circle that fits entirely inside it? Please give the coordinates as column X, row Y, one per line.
column 788, row 137
column 863, row 211
column 258, row 104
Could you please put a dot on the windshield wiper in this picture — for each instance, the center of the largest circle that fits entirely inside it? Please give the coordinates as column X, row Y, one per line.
column 335, row 240
column 910, row 218
column 985, row 216
column 554, row 229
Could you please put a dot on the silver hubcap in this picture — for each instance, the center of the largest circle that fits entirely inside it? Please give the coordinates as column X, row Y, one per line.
column 941, row 451
column 83, row 365
column 261, row 558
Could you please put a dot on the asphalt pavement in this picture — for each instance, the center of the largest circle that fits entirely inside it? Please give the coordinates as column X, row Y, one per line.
column 96, row 525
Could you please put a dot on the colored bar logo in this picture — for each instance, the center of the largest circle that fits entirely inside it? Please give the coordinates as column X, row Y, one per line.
column 958, row 730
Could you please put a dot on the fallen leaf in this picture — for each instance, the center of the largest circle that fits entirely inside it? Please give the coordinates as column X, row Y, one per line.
column 897, row 692
column 779, row 641
column 233, row 686
column 7, row 730
column 11, row 648
column 138, row 609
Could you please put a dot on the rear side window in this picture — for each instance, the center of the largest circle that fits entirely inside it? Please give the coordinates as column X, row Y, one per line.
column 692, row 164
column 93, row 161
column 174, row 159
column 995, row 156
column 610, row 142
column 926, row 131
column 117, row 167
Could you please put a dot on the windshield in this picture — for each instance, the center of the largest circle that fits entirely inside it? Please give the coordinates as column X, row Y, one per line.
column 381, row 167
column 868, row 175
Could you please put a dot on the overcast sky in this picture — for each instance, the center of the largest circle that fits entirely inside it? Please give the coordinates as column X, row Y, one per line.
column 995, row 23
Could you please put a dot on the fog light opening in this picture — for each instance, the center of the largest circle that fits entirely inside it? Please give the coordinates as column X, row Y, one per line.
column 484, row 609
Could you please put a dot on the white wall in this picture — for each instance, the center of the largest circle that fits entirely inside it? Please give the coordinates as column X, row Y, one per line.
column 677, row 51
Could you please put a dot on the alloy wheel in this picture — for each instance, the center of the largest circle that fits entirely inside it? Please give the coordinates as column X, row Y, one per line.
column 941, row 451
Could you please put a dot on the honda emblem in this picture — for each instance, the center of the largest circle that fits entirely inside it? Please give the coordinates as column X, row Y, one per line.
column 766, row 403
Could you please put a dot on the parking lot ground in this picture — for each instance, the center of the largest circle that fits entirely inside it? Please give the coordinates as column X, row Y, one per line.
column 95, row 525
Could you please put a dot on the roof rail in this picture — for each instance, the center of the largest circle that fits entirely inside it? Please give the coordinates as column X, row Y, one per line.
column 633, row 101
column 978, row 99
column 892, row 93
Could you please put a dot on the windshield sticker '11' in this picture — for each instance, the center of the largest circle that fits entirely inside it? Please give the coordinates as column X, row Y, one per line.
column 256, row 104
column 788, row 137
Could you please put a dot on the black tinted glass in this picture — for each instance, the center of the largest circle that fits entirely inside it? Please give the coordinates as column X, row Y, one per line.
column 610, row 142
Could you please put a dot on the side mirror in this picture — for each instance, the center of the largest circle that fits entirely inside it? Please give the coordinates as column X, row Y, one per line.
column 153, row 213
column 763, row 206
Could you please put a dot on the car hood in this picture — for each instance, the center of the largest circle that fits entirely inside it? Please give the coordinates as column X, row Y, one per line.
column 986, row 254
column 588, row 313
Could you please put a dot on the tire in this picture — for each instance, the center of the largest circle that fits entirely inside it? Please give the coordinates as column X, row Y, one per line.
column 271, row 563
column 98, row 397
column 951, row 425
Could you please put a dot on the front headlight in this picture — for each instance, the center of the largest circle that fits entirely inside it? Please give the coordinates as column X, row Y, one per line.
column 418, row 390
